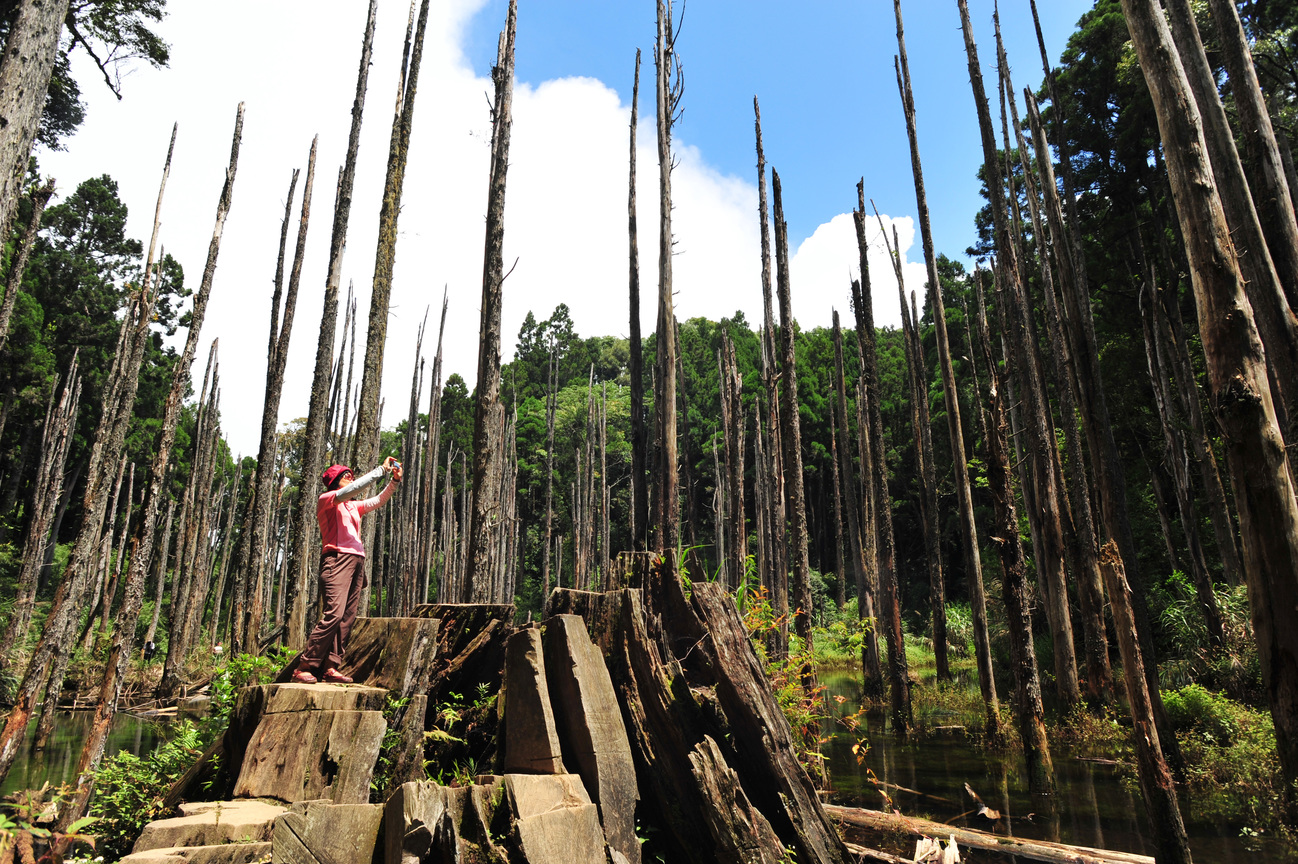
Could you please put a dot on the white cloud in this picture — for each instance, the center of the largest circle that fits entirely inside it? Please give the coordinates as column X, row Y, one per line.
column 566, row 213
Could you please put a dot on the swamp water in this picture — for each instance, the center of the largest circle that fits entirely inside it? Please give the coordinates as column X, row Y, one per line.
column 1097, row 805
column 57, row 763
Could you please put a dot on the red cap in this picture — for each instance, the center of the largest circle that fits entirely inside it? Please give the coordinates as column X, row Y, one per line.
column 331, row 474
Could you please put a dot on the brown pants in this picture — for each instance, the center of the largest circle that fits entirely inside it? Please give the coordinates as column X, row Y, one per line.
column 342, row 576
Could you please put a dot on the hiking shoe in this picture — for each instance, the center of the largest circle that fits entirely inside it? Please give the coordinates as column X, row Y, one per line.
column 333, row 676
column 302, row 676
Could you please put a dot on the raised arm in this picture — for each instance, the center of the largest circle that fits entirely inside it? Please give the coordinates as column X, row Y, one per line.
column 360, row 484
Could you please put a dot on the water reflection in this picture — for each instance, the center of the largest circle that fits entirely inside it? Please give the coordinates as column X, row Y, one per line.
column 57, row 763
column 926, row 777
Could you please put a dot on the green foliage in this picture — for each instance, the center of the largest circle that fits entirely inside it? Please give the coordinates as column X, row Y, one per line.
column 1187, row 656
column 129, row 789
column 242, row 670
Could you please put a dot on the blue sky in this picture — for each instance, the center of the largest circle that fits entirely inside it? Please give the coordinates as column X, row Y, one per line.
column 823, row 71
column 830, row 110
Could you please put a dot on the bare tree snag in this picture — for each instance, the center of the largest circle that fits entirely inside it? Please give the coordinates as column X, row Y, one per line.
column 1014, row 588
column 791, row 429
column 635, row 364
column 889, row 589
column 57, row 434
column 666, row 521
column 735, row 529
column 775, row 576
column 433, row 441
column 873, row 671
column 28, row 61
column 313, row 435
column 50, row 656
column 1272, row 308
column 119, row 655
column 276, row 360
column 1155, row 779
column 973, row 563
column 489, row 415
column 13, row 283
column 1264, row 491
column 369, row 409
column 1267, row 181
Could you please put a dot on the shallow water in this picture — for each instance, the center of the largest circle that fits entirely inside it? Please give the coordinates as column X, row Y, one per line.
column 1095, row 806
column 57, row 763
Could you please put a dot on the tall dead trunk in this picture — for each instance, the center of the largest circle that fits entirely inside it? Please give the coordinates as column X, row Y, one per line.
column 1177, row 460
column 369, row 409
column 160, row 568
column 1266, row 175
column 56, row 439
column 791, row 429
column 732, row 422
column 489, row 415
column 111, row 591
column 635, row 364
column 49, row 658
column 1156, row 784
column 1261, row 267
column 690, row 504
column 1014, row 588
column 1255, row 448
column 666, row 521
column 313, row 435
column 30, row 52
column 872, row 668
column 119, row 655
column 889, row 587
column 973, row 562
column 276, row 360
column 917, row 381
column 776, row 575
column 841, row 554
column 1081, row 545
column 13, row 283
column 1044, row 507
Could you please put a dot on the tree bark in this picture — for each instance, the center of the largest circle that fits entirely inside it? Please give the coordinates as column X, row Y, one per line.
column 635, row 364
column 973, row 562
column 666, row 521
column 313, row 435
column 791, row 430
column 119, row 655
column 160, row 566
column 1155, row 779
column 489, row 415
column 29, row 56
column 1264, row 492
column 1014, row 588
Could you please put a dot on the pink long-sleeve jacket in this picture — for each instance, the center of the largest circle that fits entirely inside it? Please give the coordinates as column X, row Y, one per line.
column 340, row 516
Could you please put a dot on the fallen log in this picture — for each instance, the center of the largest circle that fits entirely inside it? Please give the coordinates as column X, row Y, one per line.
column 1034, row 850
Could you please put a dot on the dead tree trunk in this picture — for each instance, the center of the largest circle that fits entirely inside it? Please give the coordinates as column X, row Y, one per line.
column 841, row 554
column 1040, row 437
column 1155, row 779
column 433, row 443
column 489, row 415
column 1264, row 495
column 160, row 566
column 14, row 282
column 635, row 363
column 1267, row 181
column 28, row 61
column 111, row 591
column 872, row 668
column 119, row 655
column 551, row 405
column 736, row 532
column 791, row 430
column 57, row 434
column 917, row 380
column 1177, row 460
column 973, row 563
column 1260, row 267
column 276, row 360
column 313, row 435
column 889, row 587
column 49, row 658
column 1014, row 587
column 776, row 575
column 666, row 521
column 369, row 410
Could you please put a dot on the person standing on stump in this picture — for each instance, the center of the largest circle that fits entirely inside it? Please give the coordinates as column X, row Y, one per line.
column 342, row 565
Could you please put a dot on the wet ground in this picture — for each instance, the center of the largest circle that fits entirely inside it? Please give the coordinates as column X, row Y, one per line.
column 1098, row 803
